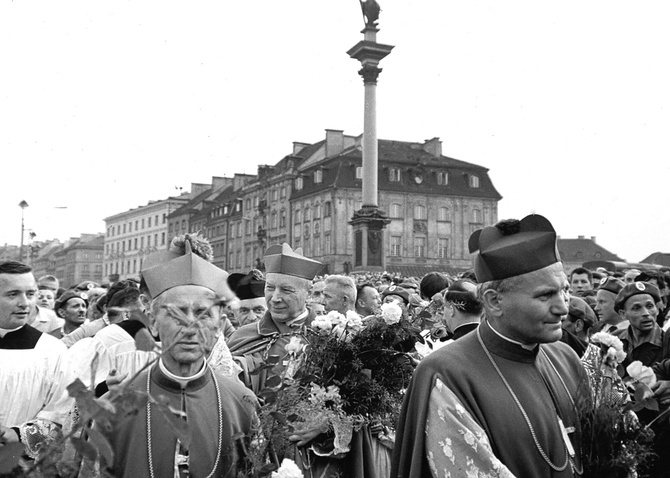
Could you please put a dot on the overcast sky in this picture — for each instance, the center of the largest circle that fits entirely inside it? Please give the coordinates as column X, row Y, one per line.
column 106, row 105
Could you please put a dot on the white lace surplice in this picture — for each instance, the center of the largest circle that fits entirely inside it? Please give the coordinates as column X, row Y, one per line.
column 456, row 446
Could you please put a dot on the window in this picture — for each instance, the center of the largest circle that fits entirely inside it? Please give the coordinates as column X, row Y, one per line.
column 225, row 209
column 155, row 240
column 359, row 172
column 162, row 238
column 442, row 178
column 476, row 215
column 164, row 217
column 443, row 248
column 358, row 205
column 443, row 214
column 282, row 218
column 296, row 231
column 327, row 209
column 298, row 183
column 395, row 210
column 273, row 221
column 156, row 220
column 317, row 211
column 282, row 192
column 318, row 176
column 419, row 211
column 419, row 247
column 85, row 268
column 394, row 175
column 134, row 265
column 273, row 195
column 239, row 230
column 238, row 206
column 247, row 204
column 326, row 244
column 141, row 243
column 307, row 232
column 317, row 247
column 183, row 224
column 395, row 245
column 247, row 228
column 308, row 214
column 149, row 222
column 135, row 243
column 473, row 181
column 298, row 215
column 142, row 223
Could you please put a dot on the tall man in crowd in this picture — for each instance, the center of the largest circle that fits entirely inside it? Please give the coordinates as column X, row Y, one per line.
column 287, row 283
column 339, row 294
column 33, row 372
column 186, row 293
column 581, row 280
column 500, row 401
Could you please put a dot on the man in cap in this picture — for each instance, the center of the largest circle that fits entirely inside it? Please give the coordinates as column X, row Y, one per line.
column 186, row 292
column 250, row 291
column 288, row 278
column 71, row 307
column 33, row 371
column 643, row 338
column 577, row 324
column 609, row 319
column 500, row 401
column 339, row 294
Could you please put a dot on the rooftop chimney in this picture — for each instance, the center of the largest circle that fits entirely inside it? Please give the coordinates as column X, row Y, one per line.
column 334, row 142
column 593, row 238
column 433, row 147
column 580, row 237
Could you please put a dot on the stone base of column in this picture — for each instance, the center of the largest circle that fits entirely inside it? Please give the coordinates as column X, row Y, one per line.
column 369, row 223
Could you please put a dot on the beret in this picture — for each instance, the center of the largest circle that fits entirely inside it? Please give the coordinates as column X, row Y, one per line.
column 67, row 295
column 249, row 286
column 395, row 290
column 635, row 288
column 512, row 248
column 579, row 309
column 611, row 284
column 86, row 285
column 281, row 259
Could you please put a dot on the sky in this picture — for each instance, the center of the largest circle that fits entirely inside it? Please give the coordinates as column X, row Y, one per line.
column 107, row 105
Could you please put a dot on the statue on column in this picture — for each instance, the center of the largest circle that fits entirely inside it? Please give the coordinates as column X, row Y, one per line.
column 371, row 11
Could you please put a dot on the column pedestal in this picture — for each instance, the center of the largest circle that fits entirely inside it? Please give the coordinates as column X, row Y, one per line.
column 368, row 224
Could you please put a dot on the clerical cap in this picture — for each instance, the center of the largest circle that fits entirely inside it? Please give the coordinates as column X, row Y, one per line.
column 511, row 248
column 611, row 284
column 249, row 286
column 168, row 269
column 635, row 288
column 281, row 259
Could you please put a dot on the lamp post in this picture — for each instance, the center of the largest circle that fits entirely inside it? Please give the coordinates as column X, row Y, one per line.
column 23, row 205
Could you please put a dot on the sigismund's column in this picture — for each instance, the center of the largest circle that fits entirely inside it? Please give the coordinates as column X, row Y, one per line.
column 369, row 222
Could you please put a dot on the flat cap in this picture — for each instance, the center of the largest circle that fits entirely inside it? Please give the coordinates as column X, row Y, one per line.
column 635, row 288
column 512, row 248
column 281, row 259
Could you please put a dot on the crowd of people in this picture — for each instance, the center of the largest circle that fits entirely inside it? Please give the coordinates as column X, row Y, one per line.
column 493, row 394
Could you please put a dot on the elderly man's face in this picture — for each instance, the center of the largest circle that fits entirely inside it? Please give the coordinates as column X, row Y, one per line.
column 316, row 295
column 187, row 320
column 333, row 298
column 18, row 293
column 369, row 301
column 531, row 312
column 250, row 310
column 285, row 296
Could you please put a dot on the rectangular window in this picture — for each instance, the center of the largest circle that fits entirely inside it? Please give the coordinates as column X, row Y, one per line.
column 419, row 211
column 473, row 181
column 317, row 247
column 394, row 175
column 327, row 209
column 476, row 215
column 318, row 176
column 443, row 248
column 395, row 245
column 247, row 228
column 359, row 172
column 442, row 178
column 298, row 215
column 141, row 242
column 149, row 222
column 164, row 217
column 155, row 240
column 326, row 244
column 396, row 210
column 162, row 238
column 142, row 223
column 282, row 219
column 282, row 193
column 298, row 184
column 419, row 247
column 443, row 214
column 135, row 243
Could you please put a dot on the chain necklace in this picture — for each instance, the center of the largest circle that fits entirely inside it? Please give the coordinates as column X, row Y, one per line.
column 149, row 440
column 525, row 415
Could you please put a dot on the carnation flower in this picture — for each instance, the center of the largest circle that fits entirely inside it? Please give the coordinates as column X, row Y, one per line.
column 335, row 318
column 322, row 324
column 391, row 313
column 294, row 346
column 288, row 469
column 612, row 348
column 321, row 395
column 603, row 338
column 354, row 321
column 641, row 373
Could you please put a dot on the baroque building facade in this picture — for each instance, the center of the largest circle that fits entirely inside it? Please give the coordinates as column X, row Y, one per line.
column 307, row 199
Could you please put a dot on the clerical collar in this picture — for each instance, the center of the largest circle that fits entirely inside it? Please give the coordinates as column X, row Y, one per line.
column 520, row 344
column 298, row 320
column 183, row 381
column 4, row 332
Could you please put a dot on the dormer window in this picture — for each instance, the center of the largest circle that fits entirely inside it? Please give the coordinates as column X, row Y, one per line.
column 442, row 178
column 394, row 175
column 298, row 183
column 473, row 181
column 318, row 176
column 359, row 172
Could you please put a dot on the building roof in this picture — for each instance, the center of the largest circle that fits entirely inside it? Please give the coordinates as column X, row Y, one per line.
column 583, row 250
column 658, row 258
column 420, row 271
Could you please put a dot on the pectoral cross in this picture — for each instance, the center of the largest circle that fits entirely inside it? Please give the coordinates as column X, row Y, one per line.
column 566, row 438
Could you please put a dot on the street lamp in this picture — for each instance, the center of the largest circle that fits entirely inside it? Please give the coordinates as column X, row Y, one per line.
column 23, row 205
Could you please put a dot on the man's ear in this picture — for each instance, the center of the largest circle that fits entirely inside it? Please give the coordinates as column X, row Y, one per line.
column 493, row 302
column 59, row 313
column 145, row 301
column 579, row 325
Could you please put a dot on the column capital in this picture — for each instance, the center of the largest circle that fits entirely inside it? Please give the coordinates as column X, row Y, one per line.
column 370, row 73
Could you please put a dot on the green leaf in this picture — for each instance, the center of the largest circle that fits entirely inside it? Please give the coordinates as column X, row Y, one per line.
column 103, row 446
column 10, row 454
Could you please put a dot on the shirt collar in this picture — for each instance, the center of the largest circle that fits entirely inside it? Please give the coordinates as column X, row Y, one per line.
column 4, row 332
